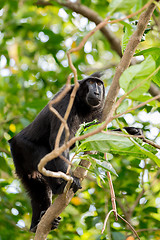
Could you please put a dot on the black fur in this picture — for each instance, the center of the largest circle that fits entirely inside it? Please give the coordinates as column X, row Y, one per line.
column 36, row 140
column 132, row 131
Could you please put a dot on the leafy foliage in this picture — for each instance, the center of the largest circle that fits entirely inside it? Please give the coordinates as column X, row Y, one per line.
column 136, row 74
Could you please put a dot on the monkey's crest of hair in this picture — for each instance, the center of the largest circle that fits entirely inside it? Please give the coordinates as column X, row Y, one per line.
column 96, row 75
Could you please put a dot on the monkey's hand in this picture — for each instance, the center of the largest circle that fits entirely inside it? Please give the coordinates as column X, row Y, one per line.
column 132, row 130
column 75, row 184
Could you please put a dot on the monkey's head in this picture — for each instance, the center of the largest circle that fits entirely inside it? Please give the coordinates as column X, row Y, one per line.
column 92, row 91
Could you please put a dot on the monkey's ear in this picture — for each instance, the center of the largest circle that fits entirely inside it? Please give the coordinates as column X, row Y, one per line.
column 97, row 74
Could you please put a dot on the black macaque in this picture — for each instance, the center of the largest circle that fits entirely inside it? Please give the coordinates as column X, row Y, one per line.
column 36, row 140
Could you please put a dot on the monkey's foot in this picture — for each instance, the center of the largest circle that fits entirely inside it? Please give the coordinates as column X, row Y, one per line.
column 55, row 223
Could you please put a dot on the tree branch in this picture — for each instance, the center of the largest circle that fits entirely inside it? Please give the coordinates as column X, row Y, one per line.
column 126, row 59
column 154, row 90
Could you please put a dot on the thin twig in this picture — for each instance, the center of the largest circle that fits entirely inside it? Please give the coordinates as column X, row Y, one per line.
column 93, row 16
column 106, row 219
column 66, row 160
column 121, row 134
column 63, row 121
column 70, row 104
column 133, row 230
column 151, row 143
column 154, row 90
column 138, row 106
column 113, row 198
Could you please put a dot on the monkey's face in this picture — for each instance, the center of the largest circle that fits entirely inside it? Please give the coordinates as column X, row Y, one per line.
column 95, row 93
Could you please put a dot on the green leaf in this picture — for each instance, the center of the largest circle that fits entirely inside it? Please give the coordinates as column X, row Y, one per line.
column 123, row 106
column 155, row 53
column 135, row 75
column 128, row 31
column 147, row 152
column 150, row 148
column 103, row 142
column 102, row 162
column 120, row 5
column 149, row 210
column 156, row 78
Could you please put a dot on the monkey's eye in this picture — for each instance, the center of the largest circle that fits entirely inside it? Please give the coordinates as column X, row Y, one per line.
column 99, row 83
column 91, row 81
